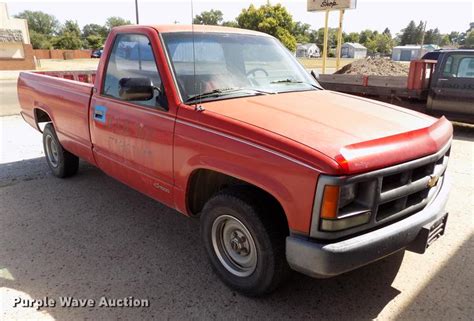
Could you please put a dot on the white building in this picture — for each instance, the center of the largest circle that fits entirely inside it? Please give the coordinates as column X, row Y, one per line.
column 307, row 50
column 353, row 50
column 13, row 34
column 411, row 52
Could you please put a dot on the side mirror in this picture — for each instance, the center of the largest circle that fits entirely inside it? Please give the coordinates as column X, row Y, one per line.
column 136, row 89
column 315, row 74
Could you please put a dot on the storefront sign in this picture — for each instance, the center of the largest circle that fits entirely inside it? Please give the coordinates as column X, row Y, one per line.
column 323, row 5
column 11, row 35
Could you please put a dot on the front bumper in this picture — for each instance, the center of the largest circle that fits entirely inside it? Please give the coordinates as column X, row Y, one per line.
column 324, row 260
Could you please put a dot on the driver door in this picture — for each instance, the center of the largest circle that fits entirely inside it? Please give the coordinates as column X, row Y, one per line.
column 453, row 91
column 132, row 140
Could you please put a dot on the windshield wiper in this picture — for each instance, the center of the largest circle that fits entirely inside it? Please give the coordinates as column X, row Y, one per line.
column 226, row 91
column 287, row 81
column 292, row 81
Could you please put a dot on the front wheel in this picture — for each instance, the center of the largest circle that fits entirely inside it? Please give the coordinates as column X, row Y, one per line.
column 61, row 162
column 245, row 241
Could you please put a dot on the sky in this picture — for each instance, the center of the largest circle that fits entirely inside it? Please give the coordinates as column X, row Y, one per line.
column 454, row 15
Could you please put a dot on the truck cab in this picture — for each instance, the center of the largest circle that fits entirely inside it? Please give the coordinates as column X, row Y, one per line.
column 452, row 86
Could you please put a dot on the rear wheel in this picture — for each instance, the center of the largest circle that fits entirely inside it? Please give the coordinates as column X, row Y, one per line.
column 61, row 162
column 245, row 240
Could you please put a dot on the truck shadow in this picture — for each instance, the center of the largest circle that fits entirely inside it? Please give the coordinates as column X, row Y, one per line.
column 464, row 132
column 90, row 236
column 448, row 295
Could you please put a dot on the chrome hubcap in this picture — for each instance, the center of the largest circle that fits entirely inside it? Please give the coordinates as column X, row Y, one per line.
column 234, row 246
column 52, row 151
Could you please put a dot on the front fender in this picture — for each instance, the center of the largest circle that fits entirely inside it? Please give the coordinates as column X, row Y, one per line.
column 289, row 181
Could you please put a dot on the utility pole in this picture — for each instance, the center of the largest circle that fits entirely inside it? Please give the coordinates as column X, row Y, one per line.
column 325, row 45
column 422, row 40
column 136, row 11
column 339, row 39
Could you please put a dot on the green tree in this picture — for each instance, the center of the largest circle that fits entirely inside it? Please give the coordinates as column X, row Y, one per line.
column 469, row 42
column 313, row 36
column 371, row 46
column 93, row 29
column 71, row 27
column 231, row 24
column 67, row 41
column 409, row 34
column 456, row 38
column 112, row 22
column 40, row 22
column 301, row 32
column 352, row 37
column 419, row 33
column 42, row 27
column 384, row 43
column 433, row 36
column 272, row 19
column 387, row 32
column 94, row 35
column 69, row 36
column 212, row 17
column 365, row 36
column 40, row 41
column 445, row 41
column 332, row 37
column 94, row 42
column 379, row 43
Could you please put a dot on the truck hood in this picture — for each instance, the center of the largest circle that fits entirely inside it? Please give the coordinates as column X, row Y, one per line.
column 339, row 125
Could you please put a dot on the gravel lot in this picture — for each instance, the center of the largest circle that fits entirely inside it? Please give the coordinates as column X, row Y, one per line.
column 90, row 236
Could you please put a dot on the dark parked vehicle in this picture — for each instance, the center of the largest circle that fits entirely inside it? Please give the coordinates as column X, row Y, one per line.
column 432, row 55
column 97, row 53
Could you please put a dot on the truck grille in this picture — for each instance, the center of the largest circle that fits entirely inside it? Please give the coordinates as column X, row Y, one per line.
column 407, row 191
column 388, row 194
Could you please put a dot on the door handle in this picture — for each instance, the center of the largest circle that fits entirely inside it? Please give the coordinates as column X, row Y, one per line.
column 100, row 113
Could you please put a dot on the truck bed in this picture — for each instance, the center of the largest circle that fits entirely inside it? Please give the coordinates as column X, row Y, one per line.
column 415, row 86
column 63, row 97
column 378, row 86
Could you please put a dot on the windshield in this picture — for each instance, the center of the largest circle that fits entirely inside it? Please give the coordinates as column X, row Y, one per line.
column 233, row 65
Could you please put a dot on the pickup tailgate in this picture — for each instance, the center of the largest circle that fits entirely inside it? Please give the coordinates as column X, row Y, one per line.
column 65, row 102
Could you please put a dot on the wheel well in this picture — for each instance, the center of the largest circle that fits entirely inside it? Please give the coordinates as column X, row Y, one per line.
column 41, row 116
column 205, row 183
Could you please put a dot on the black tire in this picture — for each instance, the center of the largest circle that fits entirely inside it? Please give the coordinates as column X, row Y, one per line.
column 61, row 162
column 268, row 231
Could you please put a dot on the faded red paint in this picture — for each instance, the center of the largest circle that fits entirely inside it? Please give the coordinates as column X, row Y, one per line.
column 280, row 143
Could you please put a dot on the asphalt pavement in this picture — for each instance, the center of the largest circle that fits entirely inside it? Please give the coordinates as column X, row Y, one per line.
column 90, row 237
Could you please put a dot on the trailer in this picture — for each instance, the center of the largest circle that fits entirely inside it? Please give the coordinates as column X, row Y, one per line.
column 438, row 87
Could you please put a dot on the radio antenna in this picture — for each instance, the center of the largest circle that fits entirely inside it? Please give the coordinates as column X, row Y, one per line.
column 197, row 106
column 194, row 49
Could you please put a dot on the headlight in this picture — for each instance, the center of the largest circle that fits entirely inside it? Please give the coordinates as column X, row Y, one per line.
column 347, row 195
column 340, row 208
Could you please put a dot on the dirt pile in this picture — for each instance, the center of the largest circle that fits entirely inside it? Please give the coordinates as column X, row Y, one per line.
column 375, row 67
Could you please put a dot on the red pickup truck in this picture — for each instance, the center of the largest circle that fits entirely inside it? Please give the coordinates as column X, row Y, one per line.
column 224, row 124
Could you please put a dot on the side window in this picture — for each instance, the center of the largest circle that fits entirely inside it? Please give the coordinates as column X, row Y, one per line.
column 132, row 57
column 466, row 68
column 448, row 67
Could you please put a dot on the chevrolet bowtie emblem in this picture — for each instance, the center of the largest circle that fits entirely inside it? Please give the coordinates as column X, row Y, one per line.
column 433, row 181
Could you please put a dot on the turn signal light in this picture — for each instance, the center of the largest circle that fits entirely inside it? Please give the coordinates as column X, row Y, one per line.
column 329, row 206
